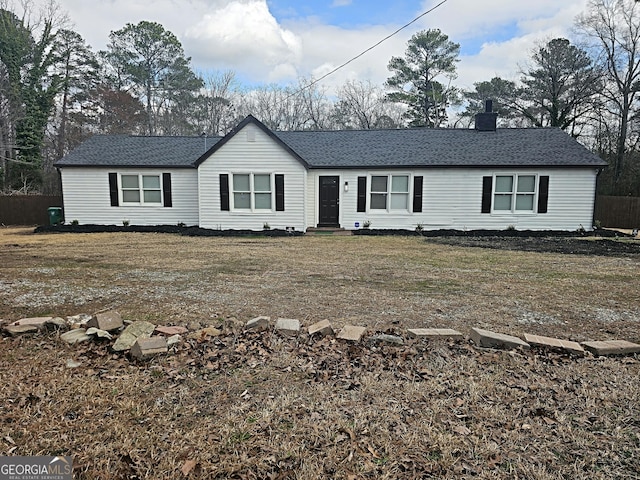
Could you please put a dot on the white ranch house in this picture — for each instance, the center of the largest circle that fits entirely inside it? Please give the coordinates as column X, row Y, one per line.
column 482, row 178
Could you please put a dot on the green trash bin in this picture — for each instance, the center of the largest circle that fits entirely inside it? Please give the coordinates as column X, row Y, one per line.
column 55, row 215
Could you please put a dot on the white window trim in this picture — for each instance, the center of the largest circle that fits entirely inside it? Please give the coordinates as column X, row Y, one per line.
column 389, row 193
column 252, row 193
column 514, row 194
column 141, row 190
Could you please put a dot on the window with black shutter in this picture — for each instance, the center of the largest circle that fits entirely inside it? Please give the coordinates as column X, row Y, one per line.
column 224, row 192
column 417, row 194
column 279, row 193
column 113, row 189
column 362, row 194
column 166, row 190
column 543, row 194
column 487, row 186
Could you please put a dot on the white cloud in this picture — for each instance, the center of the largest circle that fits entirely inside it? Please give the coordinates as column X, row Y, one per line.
column 327, row 47
column 283, row 72
column 526, row 24
column 494, row 60
column 462, row 19
column 243, row 34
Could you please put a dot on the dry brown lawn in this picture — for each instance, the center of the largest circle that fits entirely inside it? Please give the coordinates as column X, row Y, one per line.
column 247, row 405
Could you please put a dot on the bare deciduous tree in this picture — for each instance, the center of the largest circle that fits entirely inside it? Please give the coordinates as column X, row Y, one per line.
column 363, row 105
column 216, row 105
column 613, row 29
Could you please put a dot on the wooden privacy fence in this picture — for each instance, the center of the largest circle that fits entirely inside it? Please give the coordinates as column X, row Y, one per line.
column 617, row 212
column 27, row 209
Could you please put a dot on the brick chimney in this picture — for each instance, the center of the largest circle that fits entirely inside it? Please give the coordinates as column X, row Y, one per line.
column 486, row 121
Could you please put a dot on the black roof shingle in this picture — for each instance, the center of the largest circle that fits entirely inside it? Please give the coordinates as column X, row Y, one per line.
column 439, row 148
column 137, row 151
column 420, row 147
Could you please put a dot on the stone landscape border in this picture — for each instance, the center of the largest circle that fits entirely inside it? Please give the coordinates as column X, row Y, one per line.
column 144, row 340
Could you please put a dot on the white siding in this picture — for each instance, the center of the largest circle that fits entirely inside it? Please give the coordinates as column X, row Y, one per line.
column 252, row 151
column 87, row 200
column 452, row 200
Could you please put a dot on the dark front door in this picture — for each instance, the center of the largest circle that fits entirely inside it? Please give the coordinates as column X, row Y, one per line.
column 329, row 201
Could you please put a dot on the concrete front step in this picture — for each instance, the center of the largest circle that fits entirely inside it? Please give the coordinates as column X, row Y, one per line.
column 327, row 231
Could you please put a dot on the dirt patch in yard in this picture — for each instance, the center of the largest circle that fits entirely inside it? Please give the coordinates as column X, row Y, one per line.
column 247, row 405
column 615, row 247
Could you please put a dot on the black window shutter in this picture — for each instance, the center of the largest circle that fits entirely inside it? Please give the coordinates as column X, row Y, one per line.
column 487, row 186
column 113, row 189
column 279, row 193
column 166, row 190
column 362, row 194
column 417, row 194
column 543, row 194
column 224, row 192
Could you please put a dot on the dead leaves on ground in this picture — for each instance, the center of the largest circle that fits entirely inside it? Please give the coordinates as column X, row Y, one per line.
column 256, row 405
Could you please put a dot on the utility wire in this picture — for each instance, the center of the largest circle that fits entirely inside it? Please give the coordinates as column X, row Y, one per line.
column 367, row 50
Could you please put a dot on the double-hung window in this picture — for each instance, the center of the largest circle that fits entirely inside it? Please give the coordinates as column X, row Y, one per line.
column 252, row 191
column 141, row 189
column 389, row 192
column 514, row 193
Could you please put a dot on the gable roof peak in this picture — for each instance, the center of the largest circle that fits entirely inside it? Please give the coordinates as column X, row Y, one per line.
column 250, row 119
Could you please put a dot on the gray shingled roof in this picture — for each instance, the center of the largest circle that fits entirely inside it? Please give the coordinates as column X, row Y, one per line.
column 134, row 151
column 439, row 148
column 528, row 147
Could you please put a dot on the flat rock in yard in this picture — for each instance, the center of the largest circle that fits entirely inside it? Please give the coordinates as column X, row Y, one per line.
column 288, row 326
column 258, row 323
column 195, row 325
column 388, row 339
column 108, row 321
column 15, row 330
column 55, row 323
column 486, row 338
column 351, row 333
column 324, row 328
column 554, row 344
column 93, row 331
column 77, row 335
column 35, row 321
column 80, row 319
column 174, row 340
column 612, row 347
column 145, row 348
column 206, row 332
column 434, row 333
column 170, row 331
column 73, row 363
column 130, row 334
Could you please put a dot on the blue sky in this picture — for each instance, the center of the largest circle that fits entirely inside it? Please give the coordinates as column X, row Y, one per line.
column 346, row 13
column 279, row 41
